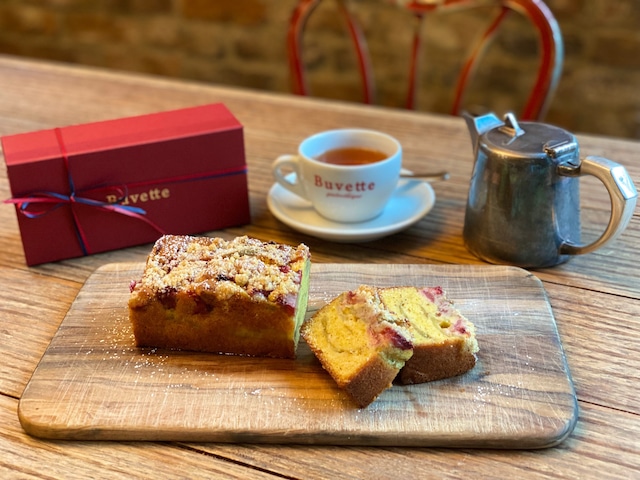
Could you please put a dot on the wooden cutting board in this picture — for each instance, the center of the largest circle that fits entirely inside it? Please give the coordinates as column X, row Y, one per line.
column 94, row 384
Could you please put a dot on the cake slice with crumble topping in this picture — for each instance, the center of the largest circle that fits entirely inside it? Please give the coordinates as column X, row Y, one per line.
column 240, row 296
column 444, row 341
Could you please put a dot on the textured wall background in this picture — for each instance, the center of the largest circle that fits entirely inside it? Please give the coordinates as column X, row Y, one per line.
column 242, row 43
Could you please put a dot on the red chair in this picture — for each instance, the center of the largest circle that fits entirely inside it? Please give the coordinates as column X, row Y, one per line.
column 550, row 42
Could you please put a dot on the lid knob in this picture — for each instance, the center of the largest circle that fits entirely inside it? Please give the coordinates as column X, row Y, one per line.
column 511, row 126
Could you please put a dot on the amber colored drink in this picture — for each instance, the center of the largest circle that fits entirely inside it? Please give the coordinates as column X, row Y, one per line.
column 351, row 156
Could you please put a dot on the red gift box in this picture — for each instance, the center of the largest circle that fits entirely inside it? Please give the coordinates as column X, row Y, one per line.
column 95, row 187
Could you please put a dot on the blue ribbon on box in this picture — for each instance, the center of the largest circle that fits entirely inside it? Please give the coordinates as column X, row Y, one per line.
column 53, row 200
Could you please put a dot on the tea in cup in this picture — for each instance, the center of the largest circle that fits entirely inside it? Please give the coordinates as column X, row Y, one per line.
column 348, row 175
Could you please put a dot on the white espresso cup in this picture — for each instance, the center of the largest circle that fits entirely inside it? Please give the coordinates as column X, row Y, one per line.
column 353, row 192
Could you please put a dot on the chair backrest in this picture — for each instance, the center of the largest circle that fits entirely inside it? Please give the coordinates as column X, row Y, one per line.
column 539, row 15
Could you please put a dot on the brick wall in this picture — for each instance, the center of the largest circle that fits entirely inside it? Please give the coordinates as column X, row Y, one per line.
column 242, row 43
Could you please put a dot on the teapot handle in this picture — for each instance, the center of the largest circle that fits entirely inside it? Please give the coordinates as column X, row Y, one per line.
column 621, row 190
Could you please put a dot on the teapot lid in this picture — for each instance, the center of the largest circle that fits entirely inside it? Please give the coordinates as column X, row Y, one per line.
column 530, row 140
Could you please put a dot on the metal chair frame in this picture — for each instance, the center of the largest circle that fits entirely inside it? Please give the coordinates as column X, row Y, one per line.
column 549, row 35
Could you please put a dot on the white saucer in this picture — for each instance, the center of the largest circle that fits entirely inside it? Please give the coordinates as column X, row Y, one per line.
column 411, row 201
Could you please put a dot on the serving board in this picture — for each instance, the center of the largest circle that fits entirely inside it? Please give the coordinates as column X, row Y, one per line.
column 94, row 384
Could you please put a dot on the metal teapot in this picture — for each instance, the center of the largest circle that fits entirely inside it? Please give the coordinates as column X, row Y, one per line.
column 523, row 206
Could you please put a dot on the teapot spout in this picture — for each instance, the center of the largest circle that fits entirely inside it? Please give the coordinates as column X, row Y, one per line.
column 479, row 125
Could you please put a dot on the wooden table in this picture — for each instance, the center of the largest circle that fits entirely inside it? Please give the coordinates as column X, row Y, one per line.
column 595, row 298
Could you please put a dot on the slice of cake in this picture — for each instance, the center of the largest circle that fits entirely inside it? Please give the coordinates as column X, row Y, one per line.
column 242, row 296
column 444, row 342
column 359, row 342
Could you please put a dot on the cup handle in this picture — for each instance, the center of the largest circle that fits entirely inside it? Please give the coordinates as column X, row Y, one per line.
column 621, row 190
column 289, row 162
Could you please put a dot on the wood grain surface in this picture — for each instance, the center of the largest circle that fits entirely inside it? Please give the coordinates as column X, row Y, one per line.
column 595, row 298
column 94, row 384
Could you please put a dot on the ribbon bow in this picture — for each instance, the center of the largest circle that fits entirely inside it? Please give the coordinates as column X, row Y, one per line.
column 50, row 201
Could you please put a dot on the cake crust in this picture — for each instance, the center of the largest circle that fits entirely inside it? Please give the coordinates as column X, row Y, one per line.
column 241, row 296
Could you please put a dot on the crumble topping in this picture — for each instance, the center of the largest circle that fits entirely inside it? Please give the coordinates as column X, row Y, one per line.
column 244, row 265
